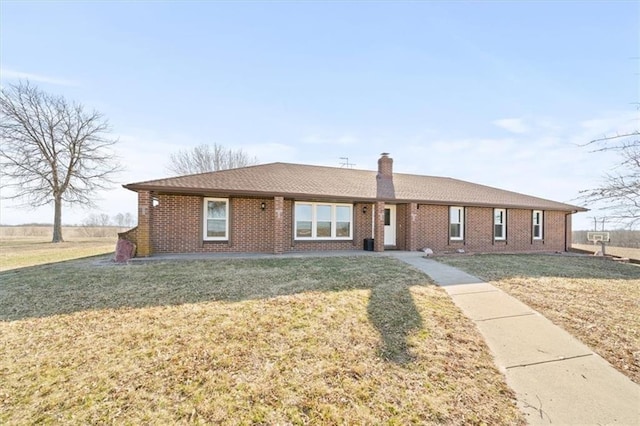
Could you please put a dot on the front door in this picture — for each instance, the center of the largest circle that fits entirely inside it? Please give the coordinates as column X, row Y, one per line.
column 390, row 226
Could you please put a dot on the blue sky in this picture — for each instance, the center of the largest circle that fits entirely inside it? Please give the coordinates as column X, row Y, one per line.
column 498, row 93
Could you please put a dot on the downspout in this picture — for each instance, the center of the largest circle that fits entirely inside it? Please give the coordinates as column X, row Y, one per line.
column 566, row 242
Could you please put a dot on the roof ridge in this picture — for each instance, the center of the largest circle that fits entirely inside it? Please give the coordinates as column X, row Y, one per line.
column 323, row 167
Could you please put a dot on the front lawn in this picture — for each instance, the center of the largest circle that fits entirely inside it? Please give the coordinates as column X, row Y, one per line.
column 358, row 340
column 595, row 299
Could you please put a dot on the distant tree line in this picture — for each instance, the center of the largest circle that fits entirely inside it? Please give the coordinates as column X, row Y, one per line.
column 120, row 220
column 124, row 220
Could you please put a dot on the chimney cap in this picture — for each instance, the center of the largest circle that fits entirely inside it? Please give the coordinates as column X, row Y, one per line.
column 385, row 154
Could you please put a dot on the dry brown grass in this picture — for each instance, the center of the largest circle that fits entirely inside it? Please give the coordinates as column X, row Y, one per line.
column 355, row 340
column 19, row 252
column 595, row 299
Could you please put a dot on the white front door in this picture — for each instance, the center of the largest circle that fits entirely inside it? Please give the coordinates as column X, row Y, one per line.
column 390, row 225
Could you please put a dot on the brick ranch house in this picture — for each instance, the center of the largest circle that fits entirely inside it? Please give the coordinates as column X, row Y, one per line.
column 280, row 207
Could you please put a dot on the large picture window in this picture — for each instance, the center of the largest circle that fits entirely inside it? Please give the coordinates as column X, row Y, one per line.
column 537, row 224
column 456, row 223
column 499, row 224
column 216, row 219
column 323, row 221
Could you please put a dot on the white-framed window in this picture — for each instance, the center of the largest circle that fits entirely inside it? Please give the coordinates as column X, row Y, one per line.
column 216, row 219
column 499, row 224
column 456, row 223
column 537, row 224
column 323, row 221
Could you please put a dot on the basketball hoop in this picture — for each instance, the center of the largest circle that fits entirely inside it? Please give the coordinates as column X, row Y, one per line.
column 598, row 238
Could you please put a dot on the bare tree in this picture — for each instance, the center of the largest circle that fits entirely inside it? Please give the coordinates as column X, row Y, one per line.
column 128, row 219
column 97, row 220
column 52, row 151
column 619, row 192
column 208, row 158
column 123, row 219
column 119, row 219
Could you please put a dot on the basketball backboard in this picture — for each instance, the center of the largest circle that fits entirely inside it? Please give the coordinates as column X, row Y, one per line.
column 596, row 237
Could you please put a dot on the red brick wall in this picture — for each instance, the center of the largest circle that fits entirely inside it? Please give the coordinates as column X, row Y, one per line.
column 520, row 228
column 363, row 224
column 178, row 221
column 432, row 227
column 175, row 226
column 401, row 226
column 277, row 228
column 432, row 230
column 411, row 219
column 378, row 229
column 554, row 230
column 144, row 246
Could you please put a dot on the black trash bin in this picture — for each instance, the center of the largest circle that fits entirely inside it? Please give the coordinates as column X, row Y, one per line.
column 368, row 244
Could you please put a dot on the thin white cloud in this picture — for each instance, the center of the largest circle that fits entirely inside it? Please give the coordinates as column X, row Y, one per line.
column 513, row 125
column 8, row 74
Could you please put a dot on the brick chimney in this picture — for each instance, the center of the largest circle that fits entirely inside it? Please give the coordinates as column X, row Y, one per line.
column 385, row 166
column 384, row 178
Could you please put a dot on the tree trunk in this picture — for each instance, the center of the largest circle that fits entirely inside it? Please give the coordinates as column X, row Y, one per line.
column 57, row 220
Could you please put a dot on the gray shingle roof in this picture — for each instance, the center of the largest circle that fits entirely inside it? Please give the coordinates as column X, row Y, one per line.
column 331, row 183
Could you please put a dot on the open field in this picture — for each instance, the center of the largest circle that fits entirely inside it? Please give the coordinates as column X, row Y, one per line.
column 68, row 232
column 352, row 340
column 619, row 237
column 22, row 246
column 19, row 252
column 595, row 299
column 630, row 253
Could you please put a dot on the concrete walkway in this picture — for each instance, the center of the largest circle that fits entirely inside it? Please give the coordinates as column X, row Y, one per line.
column 557, row 379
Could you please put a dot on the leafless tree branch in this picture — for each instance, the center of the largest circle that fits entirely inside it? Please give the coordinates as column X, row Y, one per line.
column 208, row 158
column 53, row 151
column 619, row 192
